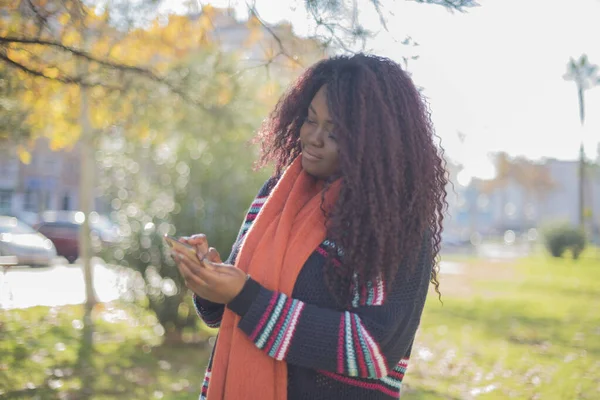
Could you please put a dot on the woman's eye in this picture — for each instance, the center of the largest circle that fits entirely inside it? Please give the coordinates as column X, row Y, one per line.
column 309, row 121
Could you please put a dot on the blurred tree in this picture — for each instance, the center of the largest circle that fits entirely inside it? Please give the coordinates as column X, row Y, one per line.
column 76, row 64
column 13, row 130
column 585, row 76
column 505, row 173
column 57, row 47
column 33, row 26
column 80, row 77
column 533, row 178
column 198, row 179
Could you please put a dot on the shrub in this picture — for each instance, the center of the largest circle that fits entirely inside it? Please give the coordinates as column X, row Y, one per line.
column 563, row 237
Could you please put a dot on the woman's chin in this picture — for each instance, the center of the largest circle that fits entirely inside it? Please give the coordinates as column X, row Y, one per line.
column 310, row 169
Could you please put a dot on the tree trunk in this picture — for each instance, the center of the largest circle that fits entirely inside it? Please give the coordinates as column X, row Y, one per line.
column 173, row 337
column 581, row 161
column 86, row 196
column 581, row 193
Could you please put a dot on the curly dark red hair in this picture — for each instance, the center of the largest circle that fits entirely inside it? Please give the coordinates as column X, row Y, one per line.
column 394, row 177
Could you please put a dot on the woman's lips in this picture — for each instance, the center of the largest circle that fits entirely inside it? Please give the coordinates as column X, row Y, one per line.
column 309, row 156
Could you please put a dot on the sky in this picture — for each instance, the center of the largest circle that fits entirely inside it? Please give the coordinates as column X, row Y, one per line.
column 494, row 73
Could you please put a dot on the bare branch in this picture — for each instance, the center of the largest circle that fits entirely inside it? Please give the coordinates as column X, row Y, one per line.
column 42, row 19
column 282, row 50
column 377, row 5
column 312, row 8
column 457, row 5
column 333, row 28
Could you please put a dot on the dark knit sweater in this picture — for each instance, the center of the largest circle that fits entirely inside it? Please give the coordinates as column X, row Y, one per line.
column 361, row 353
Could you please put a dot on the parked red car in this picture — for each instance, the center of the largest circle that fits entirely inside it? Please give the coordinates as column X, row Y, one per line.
column 62, row 228
column 64, row 235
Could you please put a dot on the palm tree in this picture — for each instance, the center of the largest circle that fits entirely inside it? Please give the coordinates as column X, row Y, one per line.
column 585, row 76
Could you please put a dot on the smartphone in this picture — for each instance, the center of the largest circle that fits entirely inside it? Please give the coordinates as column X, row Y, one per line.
column 180, row 247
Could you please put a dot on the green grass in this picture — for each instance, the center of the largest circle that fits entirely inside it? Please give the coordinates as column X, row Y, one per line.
column 39, row 347
column 526, row 330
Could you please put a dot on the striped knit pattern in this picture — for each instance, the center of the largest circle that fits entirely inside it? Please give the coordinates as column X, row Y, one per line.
column 373, row 294
column 389, row 385
column 358, row 353
column 276, row 328
column 251, row 215
column 323, row 250
column 206, row 381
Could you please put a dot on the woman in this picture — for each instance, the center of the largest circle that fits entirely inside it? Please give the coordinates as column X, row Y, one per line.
column 323, row 291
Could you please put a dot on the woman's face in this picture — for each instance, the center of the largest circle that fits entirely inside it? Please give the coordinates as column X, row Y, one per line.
column 319, row 146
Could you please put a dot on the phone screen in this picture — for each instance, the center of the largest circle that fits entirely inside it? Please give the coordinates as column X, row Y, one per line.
column 180, row 247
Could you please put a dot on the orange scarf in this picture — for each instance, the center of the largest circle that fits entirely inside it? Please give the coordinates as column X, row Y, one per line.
column 288, row 228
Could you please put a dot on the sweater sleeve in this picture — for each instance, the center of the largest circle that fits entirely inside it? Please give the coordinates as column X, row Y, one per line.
column 212, row 313
column 366, row 342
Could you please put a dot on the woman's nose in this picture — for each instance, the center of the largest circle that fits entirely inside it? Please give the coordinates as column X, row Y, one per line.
column 315, row 137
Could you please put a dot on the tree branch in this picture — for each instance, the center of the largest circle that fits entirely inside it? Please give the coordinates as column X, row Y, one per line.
column 67, row 80
column 80, row 80
column 313, row 9
column 377, row 5
column 282, row 51
column 458, row 5
column 80, row 53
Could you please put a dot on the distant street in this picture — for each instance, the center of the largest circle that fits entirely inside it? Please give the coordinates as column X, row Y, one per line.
column 490, row 250
column 62, row 283
column 59, row 284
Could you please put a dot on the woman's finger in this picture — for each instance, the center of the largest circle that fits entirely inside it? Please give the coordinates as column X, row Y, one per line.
column 213, row 255
column 189, row 256
column 214, row 266
column 190, row 277
column 198, row 236
column 195, row 267
column 200, row 242
column 199, row 266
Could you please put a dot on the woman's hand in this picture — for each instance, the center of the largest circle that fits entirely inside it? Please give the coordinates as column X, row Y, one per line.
column 207, row 276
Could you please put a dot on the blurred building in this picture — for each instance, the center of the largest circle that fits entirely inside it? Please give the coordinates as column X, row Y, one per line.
column 49, row 182
column 489, row 208
column 9, row 181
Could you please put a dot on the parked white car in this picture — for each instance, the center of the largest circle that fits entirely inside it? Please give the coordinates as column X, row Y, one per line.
column 23, row 242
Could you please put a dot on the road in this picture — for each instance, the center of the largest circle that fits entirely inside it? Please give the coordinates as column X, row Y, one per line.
column 59, row 284
column 62, row 283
